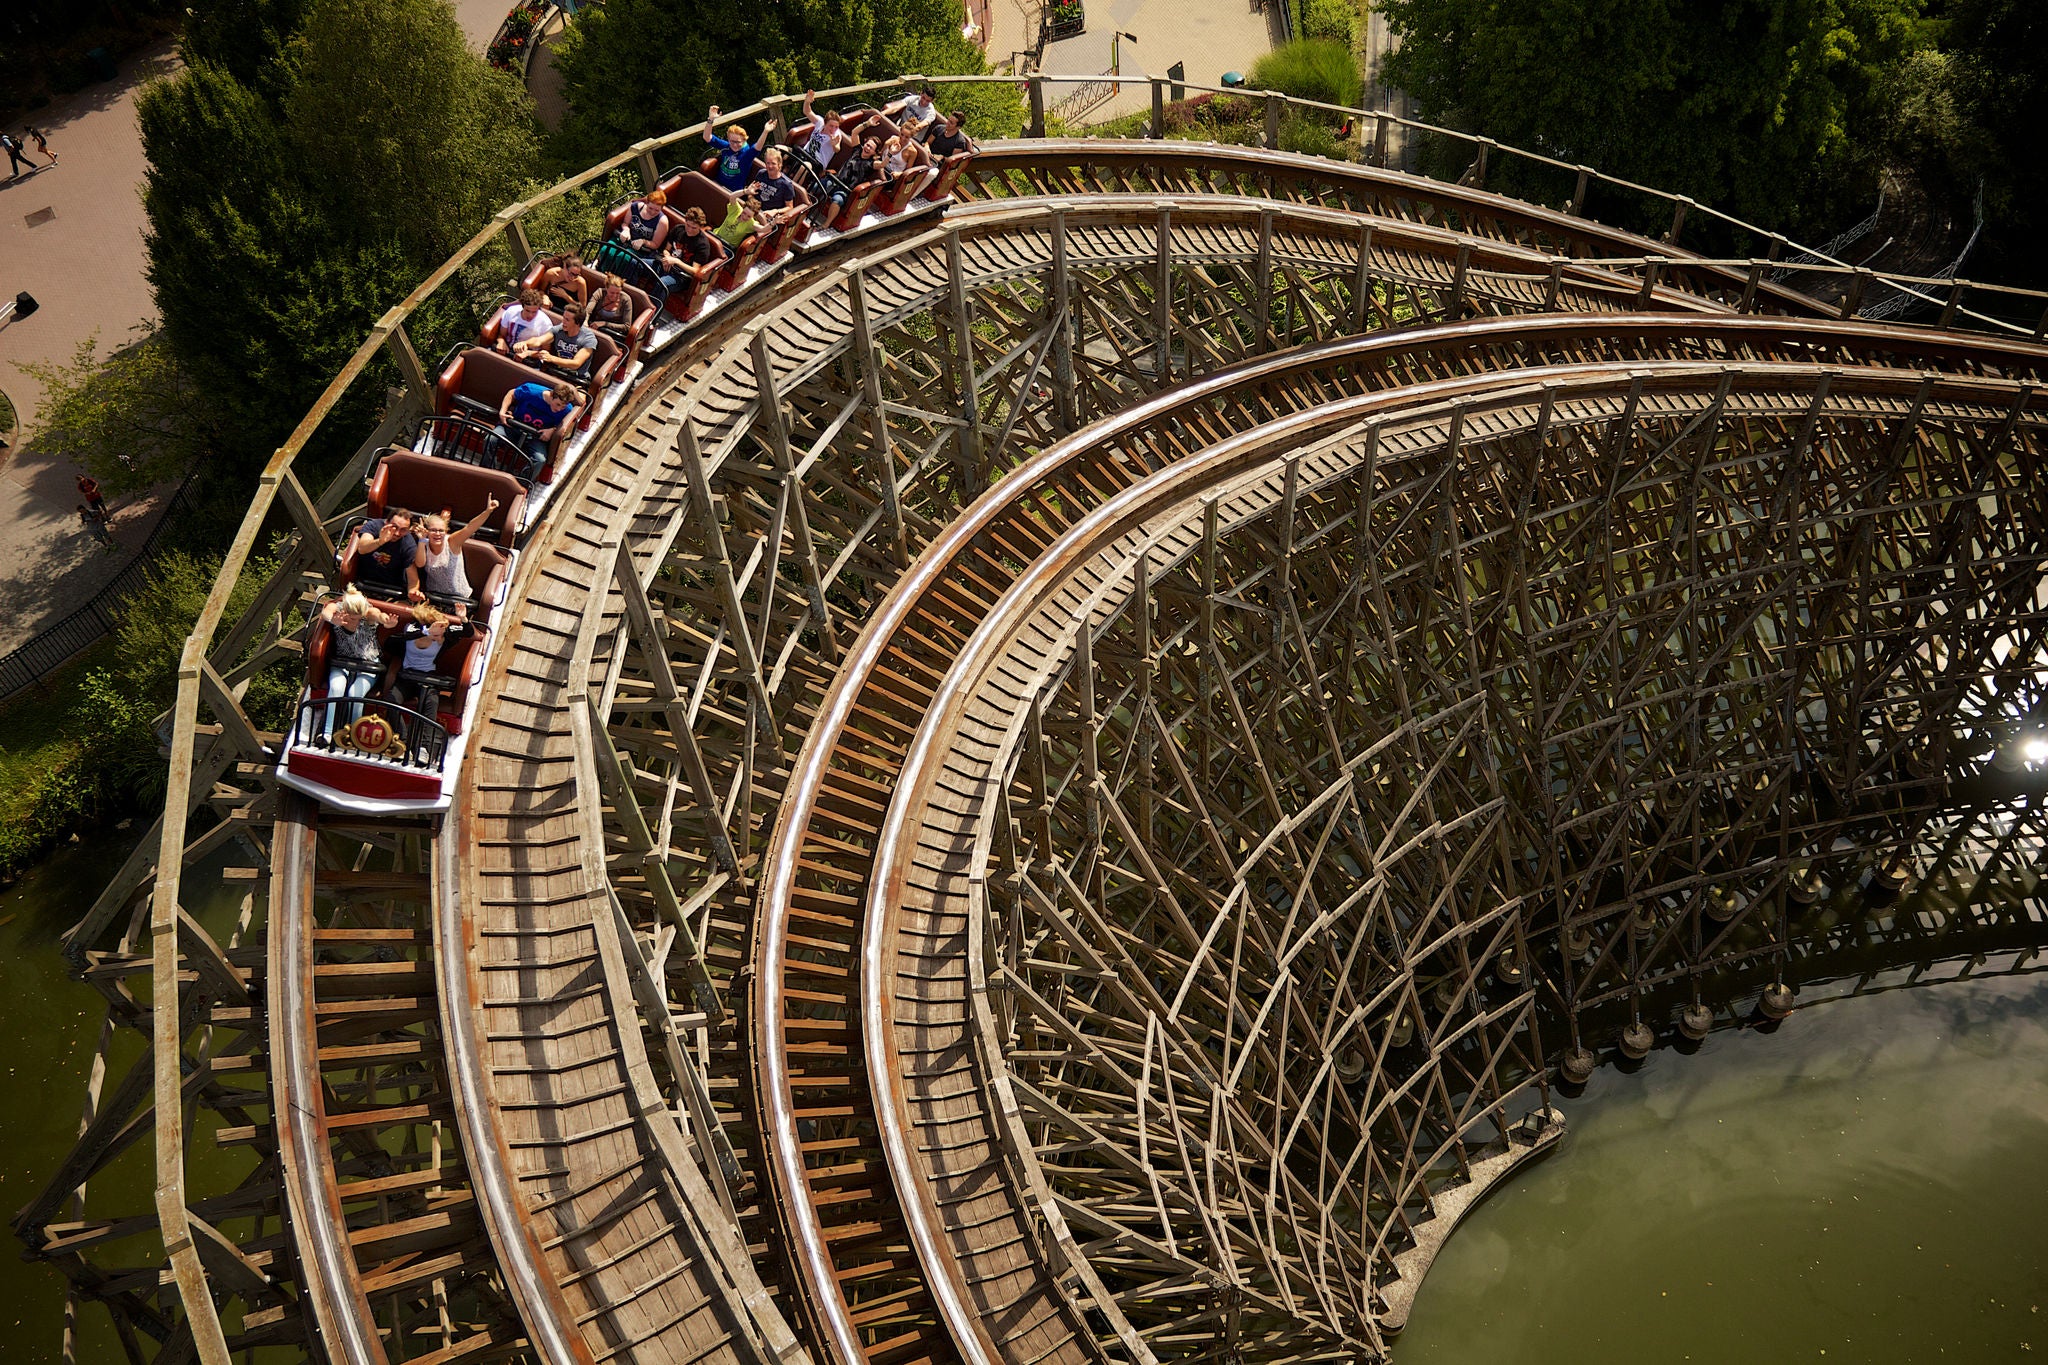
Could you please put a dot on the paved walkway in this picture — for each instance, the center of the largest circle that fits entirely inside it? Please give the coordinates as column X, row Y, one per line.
column 71, row 234
column 1209, row 37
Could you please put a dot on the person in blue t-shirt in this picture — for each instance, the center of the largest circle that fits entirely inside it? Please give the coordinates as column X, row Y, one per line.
column 528, row 418
column 736, row 156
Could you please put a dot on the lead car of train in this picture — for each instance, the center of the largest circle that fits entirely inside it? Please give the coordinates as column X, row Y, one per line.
column 372, row 754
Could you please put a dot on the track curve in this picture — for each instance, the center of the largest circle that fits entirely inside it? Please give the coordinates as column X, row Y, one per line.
column 693, row 610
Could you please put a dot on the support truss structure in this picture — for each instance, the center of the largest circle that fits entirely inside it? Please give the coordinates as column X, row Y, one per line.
column 1063, row 784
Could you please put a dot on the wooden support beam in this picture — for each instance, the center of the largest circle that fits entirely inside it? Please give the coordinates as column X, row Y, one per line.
column 705, row 513
column 776, row 428
column 1361, row 281
column 236, row 727
column 883, row 454
column 1059, row 315
column 229, row 1264
column 973, row 459
column 645, row 627
column 398, row 343
column 1263, row 284
column 508, row 221
column 218, row 979
column 613, row 777
column 1162, row 298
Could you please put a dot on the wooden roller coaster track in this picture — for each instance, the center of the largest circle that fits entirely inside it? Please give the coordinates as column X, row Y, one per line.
column 781, row 988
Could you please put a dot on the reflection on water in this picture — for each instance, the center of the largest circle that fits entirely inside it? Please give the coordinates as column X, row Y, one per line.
column 1864, row 1183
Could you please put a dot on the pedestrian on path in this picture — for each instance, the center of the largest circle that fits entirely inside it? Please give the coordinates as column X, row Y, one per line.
column 96, row 522
column 15, row 159
column 43, row 143
column 89, row 489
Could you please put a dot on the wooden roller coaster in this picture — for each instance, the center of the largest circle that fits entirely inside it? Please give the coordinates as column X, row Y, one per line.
column 1064, row 783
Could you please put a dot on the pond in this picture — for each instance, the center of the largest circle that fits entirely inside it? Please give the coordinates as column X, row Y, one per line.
column 1862, row 1183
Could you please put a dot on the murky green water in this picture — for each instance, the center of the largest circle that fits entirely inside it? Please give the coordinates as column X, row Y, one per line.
column 50, row 1025
column 1867, row 1183
column 49, row 1029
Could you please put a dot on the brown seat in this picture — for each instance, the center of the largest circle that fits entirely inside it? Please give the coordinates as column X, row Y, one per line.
column 476, row 380
column 632, row 335
column 604, row 366
column 949, row 172
column 422, row 483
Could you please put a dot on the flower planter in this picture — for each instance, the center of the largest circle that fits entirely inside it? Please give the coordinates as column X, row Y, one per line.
column 1064, row 19
column 513, row 46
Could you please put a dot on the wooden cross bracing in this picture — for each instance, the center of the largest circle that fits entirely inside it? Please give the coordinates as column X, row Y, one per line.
column 677, row 796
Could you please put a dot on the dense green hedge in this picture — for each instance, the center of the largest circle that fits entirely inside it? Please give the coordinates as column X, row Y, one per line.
column 1335, row 20
column 1310, row 69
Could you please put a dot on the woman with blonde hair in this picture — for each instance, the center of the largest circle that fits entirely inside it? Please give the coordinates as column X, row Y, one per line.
column 355, row 654
column 439, row 560
column 612, row 309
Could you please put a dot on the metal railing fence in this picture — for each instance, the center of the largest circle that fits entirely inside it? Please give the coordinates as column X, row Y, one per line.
column 56, row 645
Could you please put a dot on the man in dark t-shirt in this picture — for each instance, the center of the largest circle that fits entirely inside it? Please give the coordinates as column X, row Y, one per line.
column 855, row 171
column 780, row 196
column 692, row 247
column 951, row 138
column 385, row 550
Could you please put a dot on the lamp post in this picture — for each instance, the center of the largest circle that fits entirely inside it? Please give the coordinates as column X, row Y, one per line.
column 1116, row 57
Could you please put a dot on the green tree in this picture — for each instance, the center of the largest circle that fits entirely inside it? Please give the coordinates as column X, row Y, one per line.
column 411, row 136
column 2000, row 75
column 637, row 68
column 245, row 38
column 1748, row 104
column 261, row 296
column 132, row 422
column 280, row 230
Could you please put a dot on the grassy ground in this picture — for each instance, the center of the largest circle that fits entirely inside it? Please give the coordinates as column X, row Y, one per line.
column 33, row 725
column 6, row 415
column 43, row 785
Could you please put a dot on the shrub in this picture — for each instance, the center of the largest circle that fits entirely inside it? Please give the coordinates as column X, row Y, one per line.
column 1335, row 20
column 1311, row 138
column 1310, row 69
